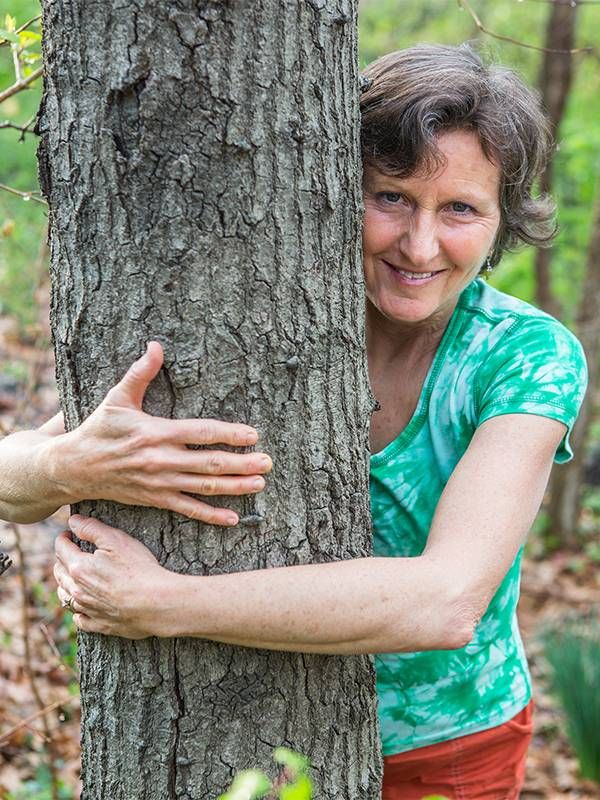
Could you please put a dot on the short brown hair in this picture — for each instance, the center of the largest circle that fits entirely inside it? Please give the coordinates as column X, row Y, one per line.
column 411, row 96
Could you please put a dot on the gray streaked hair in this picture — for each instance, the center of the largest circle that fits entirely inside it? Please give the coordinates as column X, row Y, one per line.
column 412, row 96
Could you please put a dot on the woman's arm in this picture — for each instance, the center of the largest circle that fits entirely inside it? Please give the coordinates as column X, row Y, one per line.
column 120, row 453
column 26, row 492
column 365, row 605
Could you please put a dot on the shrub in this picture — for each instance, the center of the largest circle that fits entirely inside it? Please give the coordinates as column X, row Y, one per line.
column 572, row 649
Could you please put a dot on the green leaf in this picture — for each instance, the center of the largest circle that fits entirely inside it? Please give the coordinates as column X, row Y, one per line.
column 295, row 762
column 250, row 784
column 29, row 37
column 299, row 790
column 434, row 797
column 28, row 70
column 9, row 36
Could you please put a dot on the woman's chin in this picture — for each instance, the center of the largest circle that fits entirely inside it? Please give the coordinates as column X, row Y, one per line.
column 409, row 312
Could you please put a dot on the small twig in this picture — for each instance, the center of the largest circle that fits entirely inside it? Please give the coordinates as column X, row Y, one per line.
column 22, row 128
column 571, row 3
column 29, row 671
column 20, row 85
column 28, row 720
column 27, row 24
column 467, row 6
column 57, row 654
column 16, row 62
column 24, row 195
column 22, row 724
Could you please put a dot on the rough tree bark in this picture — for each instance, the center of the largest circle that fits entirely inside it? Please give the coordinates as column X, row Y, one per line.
column 565, row 490
column 200, row 159
column 555, row 79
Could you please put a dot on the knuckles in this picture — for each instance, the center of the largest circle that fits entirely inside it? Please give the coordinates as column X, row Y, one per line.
column 215, row 465
column 208, row 486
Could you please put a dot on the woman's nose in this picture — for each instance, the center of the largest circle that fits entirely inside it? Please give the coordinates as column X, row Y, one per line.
column 419, row 243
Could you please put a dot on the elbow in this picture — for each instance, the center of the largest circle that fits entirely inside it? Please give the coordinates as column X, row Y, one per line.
column 463, row 614
column 21, row 516
column 459, row 637
column 8, row 513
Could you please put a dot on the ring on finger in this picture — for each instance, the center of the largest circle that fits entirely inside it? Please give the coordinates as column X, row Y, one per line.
column 68, row 603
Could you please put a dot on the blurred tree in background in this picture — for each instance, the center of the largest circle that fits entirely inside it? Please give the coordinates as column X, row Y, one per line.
column 22, row 220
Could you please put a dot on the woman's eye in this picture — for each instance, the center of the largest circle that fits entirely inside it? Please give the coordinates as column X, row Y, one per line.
column 390, row 197
column 460, row 208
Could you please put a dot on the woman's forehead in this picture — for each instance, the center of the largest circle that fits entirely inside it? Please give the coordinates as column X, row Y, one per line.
column 462, row 164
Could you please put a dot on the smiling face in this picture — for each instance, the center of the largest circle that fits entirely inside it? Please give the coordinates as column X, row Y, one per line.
column 426, row 237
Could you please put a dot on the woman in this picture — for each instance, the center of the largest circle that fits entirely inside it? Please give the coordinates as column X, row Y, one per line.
column 478, row 392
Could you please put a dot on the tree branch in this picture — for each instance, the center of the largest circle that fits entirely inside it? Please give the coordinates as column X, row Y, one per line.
column 20, row 85
column 26, row 722
column 467, row 6
column 24, row 195
column 572, row 3
column 24, row 129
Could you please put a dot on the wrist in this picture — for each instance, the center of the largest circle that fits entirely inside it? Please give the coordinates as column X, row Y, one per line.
column 53, row 462
column 173, row 612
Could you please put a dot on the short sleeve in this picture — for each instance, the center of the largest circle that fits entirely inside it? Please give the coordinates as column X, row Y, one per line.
column 538, row 367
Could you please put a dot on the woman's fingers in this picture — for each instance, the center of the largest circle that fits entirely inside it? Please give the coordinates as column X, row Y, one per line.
column 211, row 462
column 196, row 509
column 218, row 485
column 66, row 585
column 88, row 624
column 208, row 431
column 68, row 601
column 70, row 594
column 130, row 390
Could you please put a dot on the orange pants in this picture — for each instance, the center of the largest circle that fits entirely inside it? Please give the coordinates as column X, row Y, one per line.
column 489, row 765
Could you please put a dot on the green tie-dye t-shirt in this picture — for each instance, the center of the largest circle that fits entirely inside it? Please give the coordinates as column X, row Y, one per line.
column 498, row 356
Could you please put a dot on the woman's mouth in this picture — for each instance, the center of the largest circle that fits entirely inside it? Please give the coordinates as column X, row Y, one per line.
column 412, row 278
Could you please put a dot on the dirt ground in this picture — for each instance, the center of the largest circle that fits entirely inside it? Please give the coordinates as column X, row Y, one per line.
column 39, row 705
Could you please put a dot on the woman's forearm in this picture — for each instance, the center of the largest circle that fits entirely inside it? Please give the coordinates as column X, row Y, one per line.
column 369, row 605
column 28, row 493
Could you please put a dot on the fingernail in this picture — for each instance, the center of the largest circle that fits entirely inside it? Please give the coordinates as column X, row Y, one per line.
column 232, row 520
column 265, row 462
column 258, row 483
column 251, row 437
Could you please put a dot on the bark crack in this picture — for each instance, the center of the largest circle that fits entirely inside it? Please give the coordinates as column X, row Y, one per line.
column 174, row 759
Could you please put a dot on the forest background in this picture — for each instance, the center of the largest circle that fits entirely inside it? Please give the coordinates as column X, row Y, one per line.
column 39, row 759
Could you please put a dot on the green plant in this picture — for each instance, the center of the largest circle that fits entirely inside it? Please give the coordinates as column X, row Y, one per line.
column 293, row 782
column 572, row 649
column 40, row 788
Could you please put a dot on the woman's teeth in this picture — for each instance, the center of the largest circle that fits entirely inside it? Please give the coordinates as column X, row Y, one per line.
column 415, row 275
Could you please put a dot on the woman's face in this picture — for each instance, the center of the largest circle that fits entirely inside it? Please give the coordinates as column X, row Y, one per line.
column 426, row 237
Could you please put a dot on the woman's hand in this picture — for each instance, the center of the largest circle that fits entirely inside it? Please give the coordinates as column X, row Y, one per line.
column 122, row 454
column 120, row 589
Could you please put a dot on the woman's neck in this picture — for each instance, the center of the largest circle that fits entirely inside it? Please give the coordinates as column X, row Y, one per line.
column 391, row 341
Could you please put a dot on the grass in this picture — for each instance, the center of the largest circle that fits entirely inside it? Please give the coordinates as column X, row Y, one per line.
column 572, row 649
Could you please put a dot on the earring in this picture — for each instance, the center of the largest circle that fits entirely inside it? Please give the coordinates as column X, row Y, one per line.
column 486, row 268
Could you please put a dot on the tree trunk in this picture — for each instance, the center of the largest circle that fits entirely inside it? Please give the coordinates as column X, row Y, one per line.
column 554, row 83
column 201, row 163
column 565, row 490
